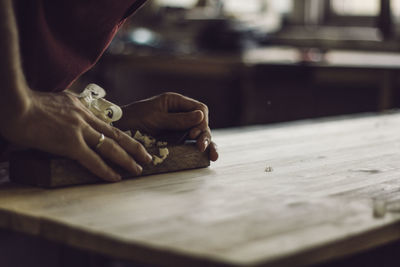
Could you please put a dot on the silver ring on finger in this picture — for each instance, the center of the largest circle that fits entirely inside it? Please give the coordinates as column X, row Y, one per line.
column 101, row 141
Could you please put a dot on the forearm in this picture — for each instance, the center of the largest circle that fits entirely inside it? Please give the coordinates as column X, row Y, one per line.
column 14, row 90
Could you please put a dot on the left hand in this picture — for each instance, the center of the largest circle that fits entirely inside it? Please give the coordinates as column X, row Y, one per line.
column 170, row 111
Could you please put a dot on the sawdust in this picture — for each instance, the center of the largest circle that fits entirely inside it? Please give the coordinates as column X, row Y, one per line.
column 269, row 169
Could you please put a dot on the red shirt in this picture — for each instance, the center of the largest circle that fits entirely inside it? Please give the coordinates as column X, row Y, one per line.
column 62, row 39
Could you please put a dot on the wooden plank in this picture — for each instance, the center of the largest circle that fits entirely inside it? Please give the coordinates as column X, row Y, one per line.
column 316, row 204
column 41, row 169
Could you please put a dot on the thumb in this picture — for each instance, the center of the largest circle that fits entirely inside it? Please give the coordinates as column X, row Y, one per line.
column 182, row 120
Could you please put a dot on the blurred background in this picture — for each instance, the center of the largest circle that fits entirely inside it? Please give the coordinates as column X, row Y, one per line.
column 259, row 61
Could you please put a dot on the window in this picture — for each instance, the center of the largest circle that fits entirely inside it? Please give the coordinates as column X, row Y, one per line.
column 362, row 7
column 257, row 6
column 396, row 9
column 363, row 14
column 238, row 6
column 355, row 7
column 177, row 3
column 369, row 13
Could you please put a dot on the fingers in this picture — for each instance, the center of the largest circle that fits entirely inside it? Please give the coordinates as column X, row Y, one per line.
column 117, row 147
column 213, row 152
column 130, row 145
column 180, row 121
column 92, row 161
column 201, row 131
column 127, row 143
column 176, row 102
column 204, row 142
column 109, row 149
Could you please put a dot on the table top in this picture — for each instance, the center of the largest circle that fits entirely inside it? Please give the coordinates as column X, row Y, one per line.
column 280, row 195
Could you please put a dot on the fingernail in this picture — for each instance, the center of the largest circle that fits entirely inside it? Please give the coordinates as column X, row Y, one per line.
column 205, row 144
column 140, row 169
column 116, row 177
column 149, row 158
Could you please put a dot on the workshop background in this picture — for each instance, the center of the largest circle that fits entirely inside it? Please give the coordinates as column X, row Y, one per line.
column 259, row 61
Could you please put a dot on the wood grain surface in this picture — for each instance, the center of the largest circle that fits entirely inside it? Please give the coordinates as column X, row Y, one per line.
column 315, row 205
column 37, row 168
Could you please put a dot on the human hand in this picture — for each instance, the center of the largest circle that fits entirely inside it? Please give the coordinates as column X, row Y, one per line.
column 170, row 111
column 60, row 124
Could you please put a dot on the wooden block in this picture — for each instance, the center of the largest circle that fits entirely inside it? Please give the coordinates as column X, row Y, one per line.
column 38, row 168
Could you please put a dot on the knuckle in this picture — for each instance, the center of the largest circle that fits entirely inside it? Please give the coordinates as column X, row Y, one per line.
column 165, row 97
column 74, row 100
column 141, row 148
column 136, row 144
column 77, row 106
column 69, row 96
column 138, row 151
column 75, row 117
column 113, row 147
column 168, row 94
column 114, row 151
column 203, row 106
column 76, row 120
column 137, row 147
column 117, row 134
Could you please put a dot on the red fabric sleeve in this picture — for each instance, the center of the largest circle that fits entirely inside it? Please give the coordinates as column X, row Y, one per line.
column 62, row 39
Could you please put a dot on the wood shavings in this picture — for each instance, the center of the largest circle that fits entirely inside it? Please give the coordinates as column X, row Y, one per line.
column 160, row 144
column 128, row 133
column 269, row 169
column 146, row 140
column 163, row 152
column 379, row 208
column 150, row 142
column 157, row 160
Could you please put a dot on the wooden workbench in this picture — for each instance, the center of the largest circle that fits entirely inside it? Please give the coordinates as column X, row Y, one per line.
column 314, row 206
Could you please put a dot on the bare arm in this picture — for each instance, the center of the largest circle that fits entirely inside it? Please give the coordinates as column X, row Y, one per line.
column 14, row 94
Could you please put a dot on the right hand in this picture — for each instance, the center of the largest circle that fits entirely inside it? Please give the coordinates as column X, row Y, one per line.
column 171, row 111
column 59, row 123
